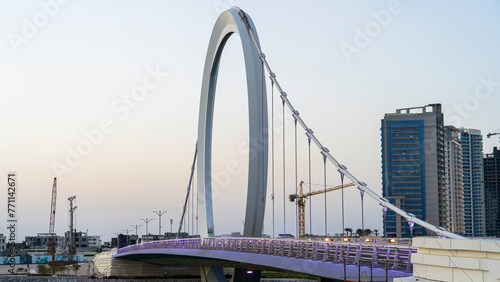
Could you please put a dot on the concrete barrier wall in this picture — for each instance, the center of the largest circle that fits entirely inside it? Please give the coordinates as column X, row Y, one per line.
column 455, row 260
column 102, row 262
column 107, row 265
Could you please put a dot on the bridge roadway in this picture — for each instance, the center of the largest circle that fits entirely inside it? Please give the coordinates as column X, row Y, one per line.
column 316, row 258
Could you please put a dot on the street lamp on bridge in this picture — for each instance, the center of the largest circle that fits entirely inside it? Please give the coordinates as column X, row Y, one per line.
column 147, row 220
column 159, row 213
column 136, row 227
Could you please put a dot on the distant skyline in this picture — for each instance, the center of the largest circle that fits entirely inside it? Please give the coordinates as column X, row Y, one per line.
column 105, row 96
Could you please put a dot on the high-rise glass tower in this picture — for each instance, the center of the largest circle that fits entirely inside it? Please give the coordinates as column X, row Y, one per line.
column 473, row 176
column 492, row 192
column 413, row 168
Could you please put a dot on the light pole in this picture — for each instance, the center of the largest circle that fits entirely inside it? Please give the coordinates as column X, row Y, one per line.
column 136, row 227
column 171, row 223
column 159, row 213
column 147, row 220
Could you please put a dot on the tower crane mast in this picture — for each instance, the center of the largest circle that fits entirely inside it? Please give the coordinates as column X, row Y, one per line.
column 52, row 215
column 301, row 203
column 72, row 242
column 51, row 242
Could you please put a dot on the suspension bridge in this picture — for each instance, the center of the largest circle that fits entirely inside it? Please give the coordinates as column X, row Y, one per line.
column 252, row 254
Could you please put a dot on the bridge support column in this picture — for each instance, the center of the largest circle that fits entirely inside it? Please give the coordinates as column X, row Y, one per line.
column 246, row 275
column 212, row 274
column 322, row 279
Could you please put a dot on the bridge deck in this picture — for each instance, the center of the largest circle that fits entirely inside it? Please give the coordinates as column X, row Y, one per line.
column 317, row 258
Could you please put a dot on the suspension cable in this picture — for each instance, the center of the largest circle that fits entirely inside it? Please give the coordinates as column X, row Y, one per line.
column 361, row 185
column 324, row 176
column 192, row 209
column 262, row 103
column 195, row 192
column 284, row 172
column 342, row 184
column 310, row 199
column 272, row 146
column 190, row 213
column 362, row 193
column 296, row 185
column 188, row 191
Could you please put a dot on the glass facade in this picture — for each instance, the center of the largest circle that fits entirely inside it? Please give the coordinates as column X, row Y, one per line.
column 471, row 141
column 413, row 168
column 404, row 174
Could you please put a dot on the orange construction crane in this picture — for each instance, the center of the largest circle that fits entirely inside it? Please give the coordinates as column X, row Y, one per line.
column 301, row 202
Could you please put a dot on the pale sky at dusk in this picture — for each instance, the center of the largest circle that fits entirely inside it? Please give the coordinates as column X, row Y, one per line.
column 67, row 68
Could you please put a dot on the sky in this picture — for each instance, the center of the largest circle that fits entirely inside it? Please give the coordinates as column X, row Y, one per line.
column 68, row 70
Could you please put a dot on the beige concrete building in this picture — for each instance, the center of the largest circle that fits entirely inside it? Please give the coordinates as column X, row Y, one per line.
column 454, row 181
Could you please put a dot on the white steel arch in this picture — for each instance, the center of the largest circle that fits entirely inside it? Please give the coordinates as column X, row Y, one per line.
column 230, row 22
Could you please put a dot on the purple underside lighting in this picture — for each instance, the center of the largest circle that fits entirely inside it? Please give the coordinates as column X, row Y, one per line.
column 249, row 272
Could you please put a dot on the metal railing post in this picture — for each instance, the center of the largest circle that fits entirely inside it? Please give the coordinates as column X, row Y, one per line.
column 299, row 249
column 371, row 271
column 290, row 250
column 335, row 256
column 358, row 253
column 325, row 256
column 374, row 255
column 408, row 262
column 359, row 270
column 396, row 258
column 386, row 270
column 347, row 253
column 345, row 274
column 315, row 257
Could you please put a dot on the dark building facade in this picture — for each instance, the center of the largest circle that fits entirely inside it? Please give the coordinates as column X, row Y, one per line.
column 124, row 240
column 492, row 192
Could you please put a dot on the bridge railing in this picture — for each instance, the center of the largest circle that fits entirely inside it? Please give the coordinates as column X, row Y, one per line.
column 397, row 256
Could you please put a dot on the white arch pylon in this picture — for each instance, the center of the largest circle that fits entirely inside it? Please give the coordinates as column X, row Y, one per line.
column 228, row 23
